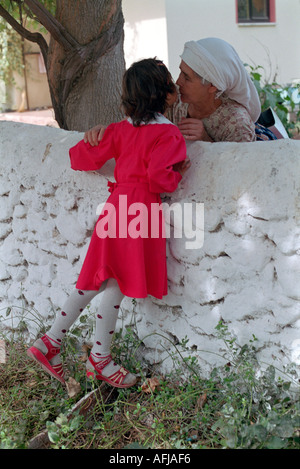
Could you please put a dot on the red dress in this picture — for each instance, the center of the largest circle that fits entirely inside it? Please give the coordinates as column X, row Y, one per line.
column 127, row 243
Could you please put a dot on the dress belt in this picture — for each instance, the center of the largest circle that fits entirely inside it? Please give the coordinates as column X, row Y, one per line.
column 112, row 185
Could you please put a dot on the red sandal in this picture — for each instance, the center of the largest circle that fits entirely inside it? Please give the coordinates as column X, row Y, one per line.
column 94, row 370
column 43, row 359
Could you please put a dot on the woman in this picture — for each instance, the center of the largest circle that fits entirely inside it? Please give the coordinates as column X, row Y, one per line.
column 218, row 101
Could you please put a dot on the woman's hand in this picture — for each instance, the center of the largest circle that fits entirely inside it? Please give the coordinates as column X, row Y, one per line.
column 193, row 129
column 94, row 135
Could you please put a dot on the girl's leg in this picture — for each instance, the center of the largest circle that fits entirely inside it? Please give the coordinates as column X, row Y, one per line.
column 106, row 319
column 46, row 350
column 100, row 359
column 75, row 304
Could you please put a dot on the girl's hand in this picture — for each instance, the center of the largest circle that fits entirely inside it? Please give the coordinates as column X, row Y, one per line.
column 94, row 135
column 182, row 166
column 193, row 129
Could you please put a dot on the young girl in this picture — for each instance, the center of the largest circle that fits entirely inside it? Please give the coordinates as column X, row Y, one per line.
column 125, row 257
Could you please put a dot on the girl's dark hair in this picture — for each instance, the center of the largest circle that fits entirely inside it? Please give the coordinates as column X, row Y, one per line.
column 146, row 85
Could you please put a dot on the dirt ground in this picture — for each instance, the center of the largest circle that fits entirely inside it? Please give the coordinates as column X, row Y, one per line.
column 36, row 117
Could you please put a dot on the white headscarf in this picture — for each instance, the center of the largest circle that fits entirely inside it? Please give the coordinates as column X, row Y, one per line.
column 217, row 62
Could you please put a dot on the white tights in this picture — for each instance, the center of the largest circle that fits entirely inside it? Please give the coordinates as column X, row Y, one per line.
column 106, row 317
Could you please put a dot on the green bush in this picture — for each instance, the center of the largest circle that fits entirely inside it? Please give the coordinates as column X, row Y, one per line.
column 283, row 99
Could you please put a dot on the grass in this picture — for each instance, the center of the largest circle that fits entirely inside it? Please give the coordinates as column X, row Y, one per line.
column 236, row 407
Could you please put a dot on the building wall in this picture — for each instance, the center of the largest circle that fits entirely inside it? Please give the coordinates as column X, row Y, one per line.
column 30, row 90
column 161, row 27
column 145, row 30
column 246, row 272
column 276, row 47
column 38, row 94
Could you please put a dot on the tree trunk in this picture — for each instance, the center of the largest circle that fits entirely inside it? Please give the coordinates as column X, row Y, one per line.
column 85, row 71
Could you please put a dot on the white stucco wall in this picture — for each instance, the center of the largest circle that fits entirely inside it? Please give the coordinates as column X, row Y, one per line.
column 247, row 272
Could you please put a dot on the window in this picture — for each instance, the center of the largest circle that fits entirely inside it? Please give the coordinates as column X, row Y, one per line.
column 255, row 11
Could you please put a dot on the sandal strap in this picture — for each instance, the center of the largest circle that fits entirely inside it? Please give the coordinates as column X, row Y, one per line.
column 99, row 366
column 59, row 369
column 51, row 350
column 119, row 376
column 115, row 379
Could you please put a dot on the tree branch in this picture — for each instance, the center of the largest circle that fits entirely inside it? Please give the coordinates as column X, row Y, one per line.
column 57, row 31
column 33, row 37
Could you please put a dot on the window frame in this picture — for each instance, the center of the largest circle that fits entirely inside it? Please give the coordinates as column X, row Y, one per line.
column 257, row 21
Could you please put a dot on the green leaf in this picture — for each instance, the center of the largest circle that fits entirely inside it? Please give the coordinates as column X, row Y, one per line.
column 275, row 443
column 53, row 437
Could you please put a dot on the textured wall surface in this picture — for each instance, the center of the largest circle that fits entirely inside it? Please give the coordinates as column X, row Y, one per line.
column 247, row 272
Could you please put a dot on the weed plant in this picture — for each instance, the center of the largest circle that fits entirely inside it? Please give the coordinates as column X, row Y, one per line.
column 283, row 99
column 237, row 407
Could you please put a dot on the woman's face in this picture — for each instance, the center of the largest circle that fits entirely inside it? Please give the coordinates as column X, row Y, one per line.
column 191, row 87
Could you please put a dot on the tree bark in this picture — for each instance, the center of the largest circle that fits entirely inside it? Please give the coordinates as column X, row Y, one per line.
column 85, row 73
column 84, row 61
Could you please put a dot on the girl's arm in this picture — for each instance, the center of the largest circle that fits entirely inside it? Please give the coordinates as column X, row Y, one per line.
column 165, row 168
column 85, row 157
